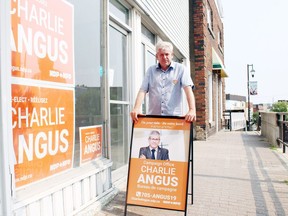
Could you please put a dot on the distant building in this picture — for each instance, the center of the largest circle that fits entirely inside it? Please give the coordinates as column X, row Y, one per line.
column 283, row 101
column 235, row 112
column 262, row 107
column 235, row 102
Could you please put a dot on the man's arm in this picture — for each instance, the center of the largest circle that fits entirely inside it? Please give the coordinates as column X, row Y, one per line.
column 136, row 110
column 191, row 114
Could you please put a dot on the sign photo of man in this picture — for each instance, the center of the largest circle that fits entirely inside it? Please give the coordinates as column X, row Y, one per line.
column 153, row 150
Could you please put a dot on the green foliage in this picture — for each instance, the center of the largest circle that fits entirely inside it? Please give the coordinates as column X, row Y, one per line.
column 255, row 117
column 280, row 107
column 273, row 147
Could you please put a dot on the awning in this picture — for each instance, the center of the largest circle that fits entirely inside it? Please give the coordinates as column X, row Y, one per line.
column 219, row 68
column 218, row 65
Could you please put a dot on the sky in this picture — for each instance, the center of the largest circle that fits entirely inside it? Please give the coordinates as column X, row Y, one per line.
column 256, row 32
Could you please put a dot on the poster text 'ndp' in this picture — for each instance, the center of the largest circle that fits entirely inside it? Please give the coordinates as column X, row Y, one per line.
column 42, row 40
column 43, row 131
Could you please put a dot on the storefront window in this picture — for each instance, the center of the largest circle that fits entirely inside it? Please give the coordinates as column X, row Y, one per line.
column 119, row 131
column 148, row 56
column 118, row 84
column 118, row 64
column 118, row 95
column 88, row 70
column 119, row 11
column 151, row 58
column 56, row 85
column 148, row 34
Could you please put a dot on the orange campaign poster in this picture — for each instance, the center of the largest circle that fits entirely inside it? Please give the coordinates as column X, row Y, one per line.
column 42, row 45
column 90, row 143
column 43, row 132
column 159, row 163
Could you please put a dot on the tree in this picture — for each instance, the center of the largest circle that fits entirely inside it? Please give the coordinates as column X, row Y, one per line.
column 280, row 107
column 255, row 117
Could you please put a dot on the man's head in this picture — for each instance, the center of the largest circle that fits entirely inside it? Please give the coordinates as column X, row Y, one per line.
column 164, row 54
column 154, row 139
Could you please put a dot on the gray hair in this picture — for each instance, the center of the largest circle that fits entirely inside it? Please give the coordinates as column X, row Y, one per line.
column 154, row 132
column 164, row 45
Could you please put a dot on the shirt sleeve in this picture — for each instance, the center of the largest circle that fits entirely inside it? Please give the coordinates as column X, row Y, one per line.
column 186, row 78
column 145, row 83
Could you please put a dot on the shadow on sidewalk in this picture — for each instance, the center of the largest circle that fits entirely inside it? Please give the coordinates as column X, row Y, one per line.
column 258, row 171
column 117, row 205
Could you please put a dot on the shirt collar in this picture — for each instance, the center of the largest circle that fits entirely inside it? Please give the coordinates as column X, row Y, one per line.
column 156, row 149
column 172, row 65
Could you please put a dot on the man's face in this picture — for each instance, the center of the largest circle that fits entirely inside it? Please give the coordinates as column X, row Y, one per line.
column 164, row 56
column 154, row 141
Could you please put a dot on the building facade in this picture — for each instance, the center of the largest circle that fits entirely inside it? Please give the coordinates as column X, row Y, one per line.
column 235, row 112
column 207, row 65
column 69, row 74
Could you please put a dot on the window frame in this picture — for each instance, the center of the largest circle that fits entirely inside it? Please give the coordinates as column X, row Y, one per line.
column 125, row 29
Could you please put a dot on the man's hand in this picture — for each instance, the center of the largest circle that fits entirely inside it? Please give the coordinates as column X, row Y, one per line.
column 135, row 112
column 134, row 115
column 190, row 116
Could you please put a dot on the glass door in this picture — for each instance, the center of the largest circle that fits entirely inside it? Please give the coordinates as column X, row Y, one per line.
column 119, row 101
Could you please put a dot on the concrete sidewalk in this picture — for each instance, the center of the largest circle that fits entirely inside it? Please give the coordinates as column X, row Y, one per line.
column 235, row 173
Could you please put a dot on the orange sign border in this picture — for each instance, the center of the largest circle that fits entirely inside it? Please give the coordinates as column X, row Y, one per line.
column 150, row 195
column 93, row 130
column 57, row 122
column 51, row 64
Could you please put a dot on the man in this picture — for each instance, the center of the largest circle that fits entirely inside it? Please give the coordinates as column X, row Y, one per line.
column 153, row 151
column 164, row 83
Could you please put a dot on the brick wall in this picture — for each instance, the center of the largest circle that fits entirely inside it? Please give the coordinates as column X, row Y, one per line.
column 201, row 42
